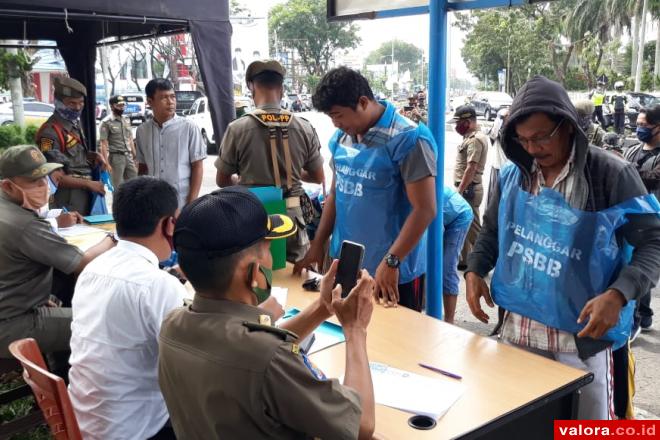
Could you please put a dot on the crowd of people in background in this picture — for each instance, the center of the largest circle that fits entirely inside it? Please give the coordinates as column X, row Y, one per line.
column 144, row 365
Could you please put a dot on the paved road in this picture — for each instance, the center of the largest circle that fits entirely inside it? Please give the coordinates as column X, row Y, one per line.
column 646, row 348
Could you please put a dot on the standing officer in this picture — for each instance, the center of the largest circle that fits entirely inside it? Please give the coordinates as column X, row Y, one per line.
column 271, row 147
column 63, row 132
column 594, row 132
column 469, row 168
column 619, row 101
column 117, row 146
column 598, row 98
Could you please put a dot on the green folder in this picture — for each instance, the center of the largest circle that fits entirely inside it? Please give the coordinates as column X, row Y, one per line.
column 99, row 219
column 277, row 247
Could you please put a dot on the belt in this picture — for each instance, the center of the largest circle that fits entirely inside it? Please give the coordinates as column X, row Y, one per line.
column 292, row 202
column 123, row 153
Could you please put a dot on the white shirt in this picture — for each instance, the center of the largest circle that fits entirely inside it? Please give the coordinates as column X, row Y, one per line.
column 169, row 151
column 119, row 303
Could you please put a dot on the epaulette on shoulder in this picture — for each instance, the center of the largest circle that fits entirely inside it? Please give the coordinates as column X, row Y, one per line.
column 277, row 331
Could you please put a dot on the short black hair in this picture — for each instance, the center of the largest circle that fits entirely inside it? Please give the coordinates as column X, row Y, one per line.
column 268, row 79
column 211, row 275
column 157, row 84
column 652, row 114
column 343, row 87
column 139, row 204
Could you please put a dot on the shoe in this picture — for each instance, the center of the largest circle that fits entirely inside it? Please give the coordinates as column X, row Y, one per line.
column 646, row 322
column 636, row 330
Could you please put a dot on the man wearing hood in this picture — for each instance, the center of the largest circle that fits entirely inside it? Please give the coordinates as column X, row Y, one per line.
column 63, row 132
column 548, row 214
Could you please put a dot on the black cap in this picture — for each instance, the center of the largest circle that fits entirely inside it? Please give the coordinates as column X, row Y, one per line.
column 226, row 222
column 117, row 99
column 464, row 112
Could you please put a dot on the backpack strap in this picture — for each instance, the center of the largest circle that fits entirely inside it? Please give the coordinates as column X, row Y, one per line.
column 287, row 157
column 272, row 135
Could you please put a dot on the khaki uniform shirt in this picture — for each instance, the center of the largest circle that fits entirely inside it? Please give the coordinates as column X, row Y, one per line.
column 29, row 250
column 245, row 150
column 224, row 376
column 117, row 131
column 474, row 148
column 73, row 139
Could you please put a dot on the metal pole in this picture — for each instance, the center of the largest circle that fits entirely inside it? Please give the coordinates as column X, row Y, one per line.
column 436, row 104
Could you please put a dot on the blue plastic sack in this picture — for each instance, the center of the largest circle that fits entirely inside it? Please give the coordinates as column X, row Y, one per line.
column 554, row 258
column 371, row 198
column 107, row 181
column 98, row 205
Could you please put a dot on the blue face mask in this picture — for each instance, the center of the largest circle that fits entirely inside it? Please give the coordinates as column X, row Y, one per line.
column 66, row 112
column 645, row 134
column 51, row 186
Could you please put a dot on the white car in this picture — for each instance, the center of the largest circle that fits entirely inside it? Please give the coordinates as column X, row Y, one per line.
column 35, row 112
column 200, row 114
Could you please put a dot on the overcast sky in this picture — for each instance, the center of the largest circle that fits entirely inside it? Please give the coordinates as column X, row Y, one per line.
column 413, row 29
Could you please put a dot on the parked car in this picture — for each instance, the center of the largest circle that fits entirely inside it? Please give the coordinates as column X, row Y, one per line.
column 185, row 100
column 36, row 112
column 101, row 110
column 136, row 105
column 487, row 104
column 200, row 114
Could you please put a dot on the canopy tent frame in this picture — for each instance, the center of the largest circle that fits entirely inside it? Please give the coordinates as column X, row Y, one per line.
column 74, row 26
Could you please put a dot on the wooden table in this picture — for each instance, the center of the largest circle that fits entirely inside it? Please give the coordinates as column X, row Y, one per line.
column 509, row 393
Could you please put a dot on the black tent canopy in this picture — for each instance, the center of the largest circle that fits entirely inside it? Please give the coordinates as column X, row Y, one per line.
column 77, row 26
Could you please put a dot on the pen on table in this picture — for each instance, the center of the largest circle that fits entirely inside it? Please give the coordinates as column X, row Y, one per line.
column 438, row 370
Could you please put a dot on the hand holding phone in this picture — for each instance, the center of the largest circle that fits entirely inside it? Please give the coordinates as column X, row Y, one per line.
column 350, row 263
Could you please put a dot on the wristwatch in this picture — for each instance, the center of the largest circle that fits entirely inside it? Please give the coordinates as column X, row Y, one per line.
column 392, row 261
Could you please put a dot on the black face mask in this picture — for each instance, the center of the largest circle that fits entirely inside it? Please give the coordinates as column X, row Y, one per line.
column 118, row 111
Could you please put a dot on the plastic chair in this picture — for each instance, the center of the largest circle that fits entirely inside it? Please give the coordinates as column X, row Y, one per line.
column 49, row 390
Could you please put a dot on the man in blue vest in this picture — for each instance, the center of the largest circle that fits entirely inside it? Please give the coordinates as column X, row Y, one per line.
column 383, row 189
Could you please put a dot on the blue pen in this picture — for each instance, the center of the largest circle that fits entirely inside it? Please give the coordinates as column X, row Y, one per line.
column 64, row 209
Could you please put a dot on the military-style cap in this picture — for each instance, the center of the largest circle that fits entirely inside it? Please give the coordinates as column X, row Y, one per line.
column 256, row 67
column 117, row 99
column 25, row 161
column 464, row 112
column 227, row 221
column 68, row 87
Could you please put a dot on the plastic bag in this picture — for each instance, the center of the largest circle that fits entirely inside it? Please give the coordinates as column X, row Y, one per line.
column 98, row 206
column 554, row 258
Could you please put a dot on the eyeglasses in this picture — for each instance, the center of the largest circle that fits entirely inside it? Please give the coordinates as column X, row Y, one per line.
column 543, row 141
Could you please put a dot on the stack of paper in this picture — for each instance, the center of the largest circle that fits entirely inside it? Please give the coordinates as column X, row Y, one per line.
column 413, row 393
column 77, row 230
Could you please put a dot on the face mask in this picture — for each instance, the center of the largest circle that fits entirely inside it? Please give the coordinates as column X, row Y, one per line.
column 52, row 187
column 118, row 110
column 645, row 134
column 33, row 198
column 66, row 112
column 462, row 127
column 262, row 294
column 585, row 123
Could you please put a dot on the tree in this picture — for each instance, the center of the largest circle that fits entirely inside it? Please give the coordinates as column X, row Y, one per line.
column 302, row 25
column 407, row 55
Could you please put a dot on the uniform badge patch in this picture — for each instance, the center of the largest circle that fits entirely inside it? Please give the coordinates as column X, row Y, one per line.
column 71, row 141
column 46, row 144
column 274, row 117
column 316, row 371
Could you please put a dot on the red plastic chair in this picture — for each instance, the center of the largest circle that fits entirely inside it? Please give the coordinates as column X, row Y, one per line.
column 49, row 390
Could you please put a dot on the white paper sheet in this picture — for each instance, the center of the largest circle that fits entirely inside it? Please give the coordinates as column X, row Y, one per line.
column 77, row 230
column 280, row 294
column 413, row 393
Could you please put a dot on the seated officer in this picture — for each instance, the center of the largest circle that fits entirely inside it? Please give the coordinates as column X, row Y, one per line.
column 29, row 252
column 63, row 132
column 272, row 147
column 224, row 371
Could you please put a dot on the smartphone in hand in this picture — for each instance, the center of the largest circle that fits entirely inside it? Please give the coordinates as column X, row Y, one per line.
column 350, row 263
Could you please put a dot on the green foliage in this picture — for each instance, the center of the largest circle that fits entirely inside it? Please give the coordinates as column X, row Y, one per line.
column 13, row 66
column 311, row 81
column 12, row 134
column 20, row 408
column 406, row 54
column 302, row 25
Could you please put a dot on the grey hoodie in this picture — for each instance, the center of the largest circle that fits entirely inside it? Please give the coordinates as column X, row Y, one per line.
column 602, row 180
